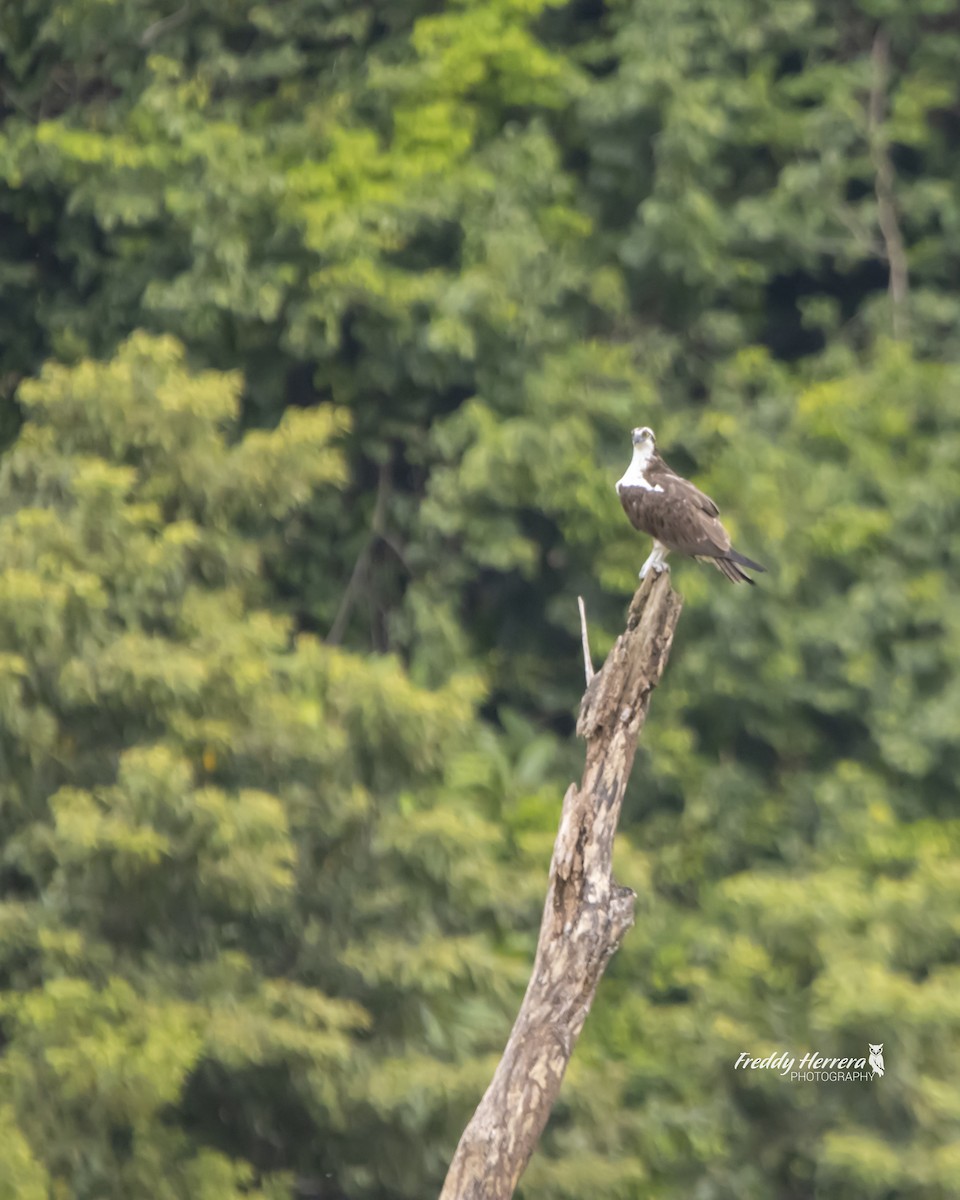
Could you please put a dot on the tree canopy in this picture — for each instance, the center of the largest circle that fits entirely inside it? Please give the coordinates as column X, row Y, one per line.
column 323, row 330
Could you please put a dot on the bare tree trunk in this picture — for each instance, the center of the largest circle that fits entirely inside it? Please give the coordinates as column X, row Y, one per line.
column 896, row 254
column 586, row 912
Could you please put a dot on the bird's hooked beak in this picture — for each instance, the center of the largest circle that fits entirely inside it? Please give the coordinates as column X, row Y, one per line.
column 643, row 436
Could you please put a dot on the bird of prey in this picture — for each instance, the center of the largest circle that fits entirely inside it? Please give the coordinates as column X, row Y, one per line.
column 677, row 515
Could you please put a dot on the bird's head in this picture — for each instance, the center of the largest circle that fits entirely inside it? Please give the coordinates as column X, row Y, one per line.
column 644, row 438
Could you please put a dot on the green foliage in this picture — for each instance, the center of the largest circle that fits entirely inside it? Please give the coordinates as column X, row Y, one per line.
column 323, row 329
column 195, row 803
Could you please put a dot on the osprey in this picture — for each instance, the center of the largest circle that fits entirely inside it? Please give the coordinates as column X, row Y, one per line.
column 677, row 515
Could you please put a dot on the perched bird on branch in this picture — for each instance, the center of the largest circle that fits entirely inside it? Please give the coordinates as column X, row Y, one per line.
column 677, row 515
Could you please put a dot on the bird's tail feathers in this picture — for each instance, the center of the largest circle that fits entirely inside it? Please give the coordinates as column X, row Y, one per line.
column 742, row 561
column 728, row 567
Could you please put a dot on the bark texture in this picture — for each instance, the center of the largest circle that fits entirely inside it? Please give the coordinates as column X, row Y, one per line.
column 586, row 912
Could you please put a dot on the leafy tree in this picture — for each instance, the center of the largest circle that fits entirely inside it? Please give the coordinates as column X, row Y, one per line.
column 494, row 236
column 796, row 813
column 237, row 917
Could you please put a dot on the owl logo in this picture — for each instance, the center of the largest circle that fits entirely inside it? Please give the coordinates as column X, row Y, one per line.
column 876, row 1060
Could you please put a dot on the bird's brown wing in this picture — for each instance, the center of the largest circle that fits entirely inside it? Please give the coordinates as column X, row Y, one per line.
column 701, row 499
column 679, row 516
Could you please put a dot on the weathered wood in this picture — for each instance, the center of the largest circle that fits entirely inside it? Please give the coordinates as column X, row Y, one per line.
column 588, row 671
column 586, row 912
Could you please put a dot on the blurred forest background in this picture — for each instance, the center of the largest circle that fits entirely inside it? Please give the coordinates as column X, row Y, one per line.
column 323, row 326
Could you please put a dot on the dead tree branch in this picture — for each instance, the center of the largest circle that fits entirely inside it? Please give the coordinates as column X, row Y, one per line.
column 364, row 558
column 164, row 25
column 895, row 251
column 588, row 671
column 586, row 912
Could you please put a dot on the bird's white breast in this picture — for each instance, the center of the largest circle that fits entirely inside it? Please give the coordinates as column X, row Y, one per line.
column 635, row 474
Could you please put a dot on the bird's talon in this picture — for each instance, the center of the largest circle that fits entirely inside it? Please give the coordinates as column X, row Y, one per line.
column 656, row 564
